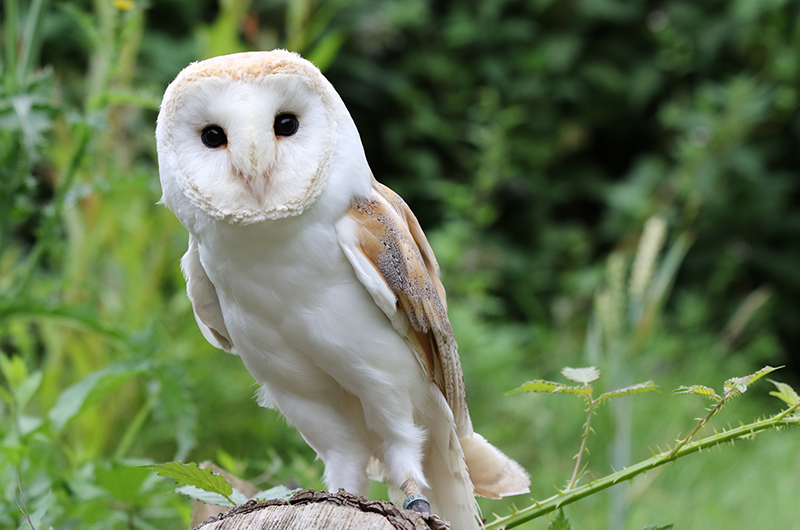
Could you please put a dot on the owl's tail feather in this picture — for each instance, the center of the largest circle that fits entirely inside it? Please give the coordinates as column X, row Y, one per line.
column 452, row 465
column 493, row 474
column 450, row 493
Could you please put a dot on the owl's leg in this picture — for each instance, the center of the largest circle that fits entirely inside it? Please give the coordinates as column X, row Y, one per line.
column 346, row 469
column 415, row 500
column 338, row 439
column 401, row 438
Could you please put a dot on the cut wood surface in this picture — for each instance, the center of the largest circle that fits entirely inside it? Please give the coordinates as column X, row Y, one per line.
column 312, row 510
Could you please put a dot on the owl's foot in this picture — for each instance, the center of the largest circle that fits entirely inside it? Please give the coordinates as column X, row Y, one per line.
column 415, row 500
column 418, row 503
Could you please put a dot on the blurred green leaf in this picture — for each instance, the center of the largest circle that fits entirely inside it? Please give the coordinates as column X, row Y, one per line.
column 540, row 385
column 230, row 464
column 87, row 24
column 700, row 390
column 278, row 492
column 641, row 388
column 141, row 99
column 785, row 393
column 28, row 424
column 7, row 396
column 325, row 51
column 222, row 36
column 123, row 482
column 73, row 398
column 28, row 388
column 560, row 522
column 15, row 372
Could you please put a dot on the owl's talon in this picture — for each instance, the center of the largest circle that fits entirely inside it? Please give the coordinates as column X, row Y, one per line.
column 418, row 503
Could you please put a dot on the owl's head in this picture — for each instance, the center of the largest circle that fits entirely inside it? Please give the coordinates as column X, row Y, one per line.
column 251, row 136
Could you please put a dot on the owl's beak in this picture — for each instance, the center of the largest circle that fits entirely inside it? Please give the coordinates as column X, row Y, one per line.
column 258, row 187
column 252, row 159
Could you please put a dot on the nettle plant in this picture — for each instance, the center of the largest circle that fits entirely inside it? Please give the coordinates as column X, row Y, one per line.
column 687, row 445
column 205, row 486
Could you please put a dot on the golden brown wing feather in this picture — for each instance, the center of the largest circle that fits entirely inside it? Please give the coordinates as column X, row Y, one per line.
column 391, row 239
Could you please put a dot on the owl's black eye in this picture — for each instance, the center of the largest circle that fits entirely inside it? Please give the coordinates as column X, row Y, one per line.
column 213, row 136
column 286, row 124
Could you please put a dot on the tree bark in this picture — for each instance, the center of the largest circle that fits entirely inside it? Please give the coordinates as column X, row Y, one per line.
column 318, row 510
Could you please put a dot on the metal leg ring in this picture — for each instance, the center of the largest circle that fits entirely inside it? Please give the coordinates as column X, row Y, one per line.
column 417, row 502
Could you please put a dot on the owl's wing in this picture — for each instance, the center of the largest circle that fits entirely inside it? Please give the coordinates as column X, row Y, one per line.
column 205, row 302
column 392, row 258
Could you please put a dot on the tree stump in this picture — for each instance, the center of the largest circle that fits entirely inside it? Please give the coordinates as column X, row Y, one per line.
column 318, row 510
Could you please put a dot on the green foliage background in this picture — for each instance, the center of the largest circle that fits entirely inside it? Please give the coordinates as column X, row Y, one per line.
column 533, row 139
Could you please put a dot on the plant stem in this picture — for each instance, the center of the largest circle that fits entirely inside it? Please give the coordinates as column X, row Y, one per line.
column 10, row 30
column 31, row 41
column 583, row 445
column 134, row 427
column 699, row 426
column 555, row 502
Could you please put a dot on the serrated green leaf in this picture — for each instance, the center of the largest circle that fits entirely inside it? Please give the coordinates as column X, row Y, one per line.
column 739, row 385
column 540, row 385
column 583, row 390
column 560, row 522
column 537, row 385
column 191, row 475
column 207, row 497
column 700, row 390
column 654, row 527
column 237, row 498
column 581, row 375
column 278, row 492
column 785, row 393
column 641, row 388
column 735, row 385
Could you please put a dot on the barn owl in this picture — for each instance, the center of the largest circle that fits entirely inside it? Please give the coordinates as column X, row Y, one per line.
column 322, row 281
